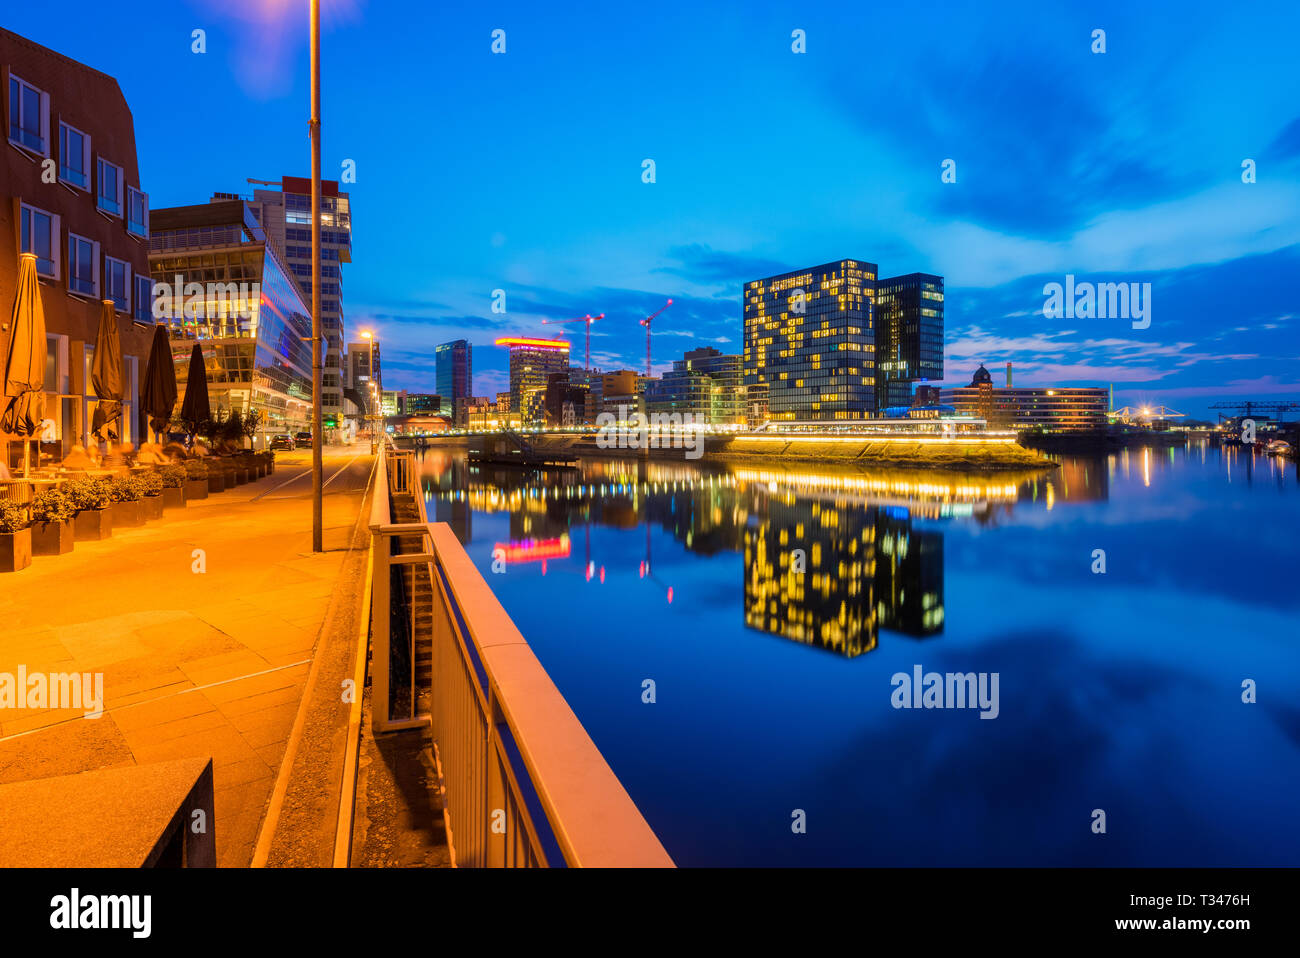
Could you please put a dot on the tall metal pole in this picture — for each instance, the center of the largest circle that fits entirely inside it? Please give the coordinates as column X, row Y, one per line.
column 317, row 365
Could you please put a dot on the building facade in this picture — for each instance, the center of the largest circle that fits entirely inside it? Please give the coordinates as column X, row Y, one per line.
column 809, row 337
column 909, row 335
column 532, row 362
column 1049, row 409
column 704, row 384
column 454, row 372
column 72, row 196
column 228, row 288
column 285, row 214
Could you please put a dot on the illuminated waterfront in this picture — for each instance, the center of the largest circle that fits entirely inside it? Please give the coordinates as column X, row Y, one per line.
column 1118, row 691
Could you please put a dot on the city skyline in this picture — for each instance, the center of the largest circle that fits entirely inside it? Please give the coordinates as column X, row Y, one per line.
column 1061, row 168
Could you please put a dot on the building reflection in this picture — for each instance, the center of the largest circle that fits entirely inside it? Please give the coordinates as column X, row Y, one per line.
column 831, row 555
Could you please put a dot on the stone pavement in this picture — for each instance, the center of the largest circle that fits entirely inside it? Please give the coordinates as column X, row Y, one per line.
column 209, row 662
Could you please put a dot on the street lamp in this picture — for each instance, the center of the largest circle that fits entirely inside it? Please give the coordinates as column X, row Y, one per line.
column 317, row 534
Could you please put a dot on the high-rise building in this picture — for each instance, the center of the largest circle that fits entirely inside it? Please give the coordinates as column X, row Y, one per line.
column 454, row 375
column 704, row 384
column 909, row 335
column 364, row 368
column 285, row 214
column 809, row 337
column 70, row 194
column 249, row 316
column 532, row 361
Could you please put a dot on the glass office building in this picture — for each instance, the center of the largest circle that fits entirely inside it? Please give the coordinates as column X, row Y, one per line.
column 810, row 339
column 226, row 286
column 703, row 384
column 454, row 372
column 909, row 335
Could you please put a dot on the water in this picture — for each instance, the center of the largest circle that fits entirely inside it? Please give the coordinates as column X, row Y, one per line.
column 1119, row 691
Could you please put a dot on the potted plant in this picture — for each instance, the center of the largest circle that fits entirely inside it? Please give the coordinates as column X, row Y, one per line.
column 52, row 523
column 173, row 480
column 90, row 498
column 15, row 537
column 151, row 488
column 216, row 474
column 196, row 479
column 125, row 494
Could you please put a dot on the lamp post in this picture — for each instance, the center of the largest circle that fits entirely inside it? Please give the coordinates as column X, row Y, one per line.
column 317, row 537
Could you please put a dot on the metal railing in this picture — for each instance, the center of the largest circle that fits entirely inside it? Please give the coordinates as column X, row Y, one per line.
column 524, row 784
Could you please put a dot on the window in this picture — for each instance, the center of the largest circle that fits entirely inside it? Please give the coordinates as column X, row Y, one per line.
column 137, row 212
column 40, row 232
column 83, row 265
column 74, row 157
column 29, row 116
column 110, row 187
column 143, row 299
column 117, row 283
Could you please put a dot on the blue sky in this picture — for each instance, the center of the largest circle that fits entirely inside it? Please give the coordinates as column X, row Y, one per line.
column 522, row 171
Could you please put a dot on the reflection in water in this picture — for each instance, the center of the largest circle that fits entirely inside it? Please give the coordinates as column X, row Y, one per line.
column 1119, row 687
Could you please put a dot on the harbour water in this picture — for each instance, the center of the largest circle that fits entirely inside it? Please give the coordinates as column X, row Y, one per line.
column 767, row 613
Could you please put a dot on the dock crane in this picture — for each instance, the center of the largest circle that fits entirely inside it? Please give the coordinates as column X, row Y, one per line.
column 646, row 323
column 1249, row 408
column 588, row 320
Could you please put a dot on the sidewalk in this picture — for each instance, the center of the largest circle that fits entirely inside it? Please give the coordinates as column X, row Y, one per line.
column 194, row 662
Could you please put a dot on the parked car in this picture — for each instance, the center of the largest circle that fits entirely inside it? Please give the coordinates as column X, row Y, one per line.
column 282, row 442
column 302, row 438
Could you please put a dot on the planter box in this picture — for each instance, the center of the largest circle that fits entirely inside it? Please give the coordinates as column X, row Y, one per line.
column 240, row 474
column 196, row 489
column 15, row 550
column 152, row 506
column 52, row 538
column 93, row 524
column 173, row 497
column 128, row 513
column 216, row 481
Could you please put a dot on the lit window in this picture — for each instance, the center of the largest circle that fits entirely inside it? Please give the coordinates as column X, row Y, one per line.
column 29, row 116
column 110, row 187
column 137, row 212
column 83, row 265
column 74, row 157
column 117, row 286
column 40, row 231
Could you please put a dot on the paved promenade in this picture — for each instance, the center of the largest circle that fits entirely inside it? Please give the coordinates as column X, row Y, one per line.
column 204, row 625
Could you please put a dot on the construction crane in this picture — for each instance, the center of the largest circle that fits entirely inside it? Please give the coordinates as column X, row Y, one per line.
column 1250, row 408
column 588, row 319
column 646, row 323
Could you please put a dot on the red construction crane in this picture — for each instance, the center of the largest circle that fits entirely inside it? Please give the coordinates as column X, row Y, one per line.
column 588, row 320
column 646, row 323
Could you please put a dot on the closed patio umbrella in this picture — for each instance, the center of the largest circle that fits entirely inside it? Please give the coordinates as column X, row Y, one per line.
column 106, row 373
column 159, row 399
column 196, row 409
column 24, row 373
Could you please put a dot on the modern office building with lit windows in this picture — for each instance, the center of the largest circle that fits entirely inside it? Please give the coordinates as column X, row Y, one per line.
column 532, row 361
column 285, row 214
column 454, row 372
column 704, row 384
column 809, row 338
column 249, row 315
column 70, row 194
column 909, row 335
column 1038, row 408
